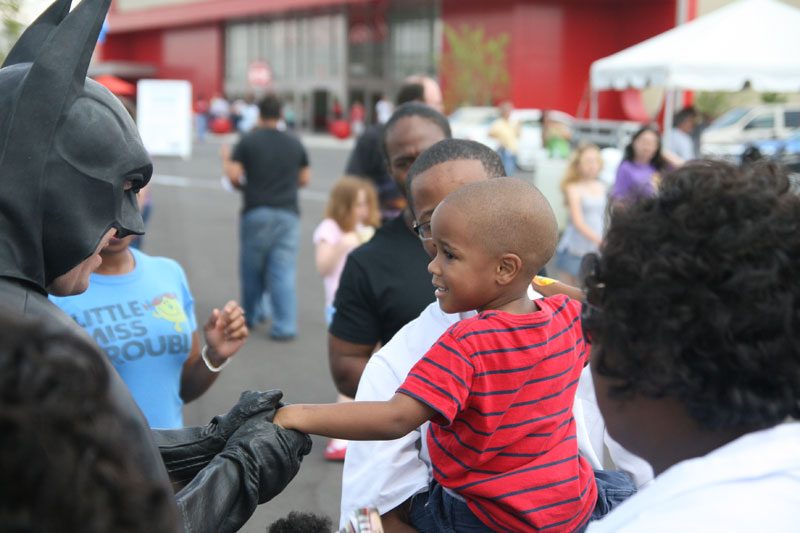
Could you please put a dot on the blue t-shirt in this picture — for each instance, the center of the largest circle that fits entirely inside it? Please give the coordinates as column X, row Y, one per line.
column 144, row 321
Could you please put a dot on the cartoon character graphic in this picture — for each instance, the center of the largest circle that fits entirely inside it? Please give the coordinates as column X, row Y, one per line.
column 169, row 308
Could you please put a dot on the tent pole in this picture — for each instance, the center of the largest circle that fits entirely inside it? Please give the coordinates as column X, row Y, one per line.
column 669, row 111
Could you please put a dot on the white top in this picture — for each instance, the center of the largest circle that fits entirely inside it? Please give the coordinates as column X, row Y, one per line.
column 681, row 144
column 750, row 484
column 384, row 474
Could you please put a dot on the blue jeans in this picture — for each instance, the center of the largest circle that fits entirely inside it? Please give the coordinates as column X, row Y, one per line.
column 269, row 238
column 509, row 161
column 437, row 510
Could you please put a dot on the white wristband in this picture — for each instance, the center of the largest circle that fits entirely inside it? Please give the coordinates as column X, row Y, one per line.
column 211, row 367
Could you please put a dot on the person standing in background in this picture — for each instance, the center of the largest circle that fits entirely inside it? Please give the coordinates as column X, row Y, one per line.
column 642, row 164
column 367, row 158
column 555, row 137
column 276, row 166
column 680, row 136
column 585, row 195
column 357, row 115
column 507, row 134
column 383, row 109
column 351, row 217
column 201, row 110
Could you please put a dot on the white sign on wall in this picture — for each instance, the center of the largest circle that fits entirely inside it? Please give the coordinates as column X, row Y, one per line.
column 164, row 116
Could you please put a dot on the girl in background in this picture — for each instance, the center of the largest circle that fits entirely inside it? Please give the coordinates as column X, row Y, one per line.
column 585, row 195
column 351, row 217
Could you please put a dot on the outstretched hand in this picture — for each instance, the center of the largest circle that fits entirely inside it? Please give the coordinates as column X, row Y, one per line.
column 225, row 330
column 550, row 287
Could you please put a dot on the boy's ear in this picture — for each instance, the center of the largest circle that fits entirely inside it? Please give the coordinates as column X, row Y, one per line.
column 508, row 268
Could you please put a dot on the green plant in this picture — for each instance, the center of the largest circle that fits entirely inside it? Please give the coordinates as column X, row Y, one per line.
column 773, row 98
column 475, row 67
column 712, row 103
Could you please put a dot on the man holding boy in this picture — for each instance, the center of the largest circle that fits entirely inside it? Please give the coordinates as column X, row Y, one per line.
column 498, row 387
column 367, row 480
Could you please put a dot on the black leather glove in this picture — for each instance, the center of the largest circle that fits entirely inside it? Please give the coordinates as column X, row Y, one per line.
column 186, row 451
column 257, row 463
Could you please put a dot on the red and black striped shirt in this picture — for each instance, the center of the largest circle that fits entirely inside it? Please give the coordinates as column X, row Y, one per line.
column 504, row 437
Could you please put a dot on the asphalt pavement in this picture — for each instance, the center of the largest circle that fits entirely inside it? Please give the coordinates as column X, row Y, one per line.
column 195, row 221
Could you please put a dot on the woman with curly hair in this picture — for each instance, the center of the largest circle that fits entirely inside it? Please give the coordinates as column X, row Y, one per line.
column 693, row 311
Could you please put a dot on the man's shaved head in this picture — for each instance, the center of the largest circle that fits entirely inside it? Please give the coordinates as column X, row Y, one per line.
column 509, row 215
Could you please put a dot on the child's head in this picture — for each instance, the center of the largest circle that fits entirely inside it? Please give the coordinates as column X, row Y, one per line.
column 353, row 201
column 584, row 164
column 695, row 307
column 298, row 522
column 491, row 238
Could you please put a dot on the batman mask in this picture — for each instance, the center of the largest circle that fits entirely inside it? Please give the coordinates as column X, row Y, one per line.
column 71, row 160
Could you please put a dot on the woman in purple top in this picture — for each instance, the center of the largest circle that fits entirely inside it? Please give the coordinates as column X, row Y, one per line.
column 641, row 167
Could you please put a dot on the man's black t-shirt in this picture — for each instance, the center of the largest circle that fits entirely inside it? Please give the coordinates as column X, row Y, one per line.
column 272, row 161
column 385, row 284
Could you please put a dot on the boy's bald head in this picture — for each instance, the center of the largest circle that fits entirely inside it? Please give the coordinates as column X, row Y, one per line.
column 509, row 215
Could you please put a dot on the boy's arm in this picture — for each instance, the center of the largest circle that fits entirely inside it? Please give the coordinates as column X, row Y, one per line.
column 357, row 420
column 550, row 287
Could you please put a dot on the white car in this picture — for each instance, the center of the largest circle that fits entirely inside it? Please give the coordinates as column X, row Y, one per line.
column 474, row 122
column 743, row 125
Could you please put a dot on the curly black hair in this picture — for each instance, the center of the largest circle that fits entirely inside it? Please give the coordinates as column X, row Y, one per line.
column 697, row 295
column 65, row 462
column 298, row 522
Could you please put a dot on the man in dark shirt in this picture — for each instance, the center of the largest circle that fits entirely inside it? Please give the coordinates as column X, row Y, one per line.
column 276, row 166
column 366, row 160
column 385, row 282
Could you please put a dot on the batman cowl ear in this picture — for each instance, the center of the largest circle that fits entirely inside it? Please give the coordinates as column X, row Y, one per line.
column 33, row 38
column 58, row 46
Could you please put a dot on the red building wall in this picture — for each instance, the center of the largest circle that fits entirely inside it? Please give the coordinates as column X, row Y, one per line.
column 192, row 53
column 554, row 42
column 552, row 46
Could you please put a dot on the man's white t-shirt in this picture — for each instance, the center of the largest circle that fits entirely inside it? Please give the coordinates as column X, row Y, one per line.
column 750, row 484
column 384, row 474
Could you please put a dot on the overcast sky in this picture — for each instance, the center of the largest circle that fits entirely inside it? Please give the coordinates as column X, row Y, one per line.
column 32, row 8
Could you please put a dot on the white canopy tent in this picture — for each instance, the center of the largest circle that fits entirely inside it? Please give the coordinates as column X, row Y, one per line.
column 750, row 41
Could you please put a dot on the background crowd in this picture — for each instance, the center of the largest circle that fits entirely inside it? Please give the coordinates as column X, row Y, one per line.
column 636, row 371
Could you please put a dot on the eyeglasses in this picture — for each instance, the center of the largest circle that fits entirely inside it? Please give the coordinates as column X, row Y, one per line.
column 423, row 230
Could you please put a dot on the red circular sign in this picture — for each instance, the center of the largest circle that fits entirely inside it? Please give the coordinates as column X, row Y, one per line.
column 259, row 74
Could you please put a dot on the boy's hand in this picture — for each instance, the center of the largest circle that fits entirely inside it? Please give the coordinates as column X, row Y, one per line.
column 281, row 416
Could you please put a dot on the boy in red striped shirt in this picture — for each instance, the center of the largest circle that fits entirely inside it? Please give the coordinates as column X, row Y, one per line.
column 498, row 388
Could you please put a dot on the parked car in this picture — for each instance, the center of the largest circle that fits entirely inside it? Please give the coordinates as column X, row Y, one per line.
column 474, row 122
column 744, row 125
column 785, row 151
